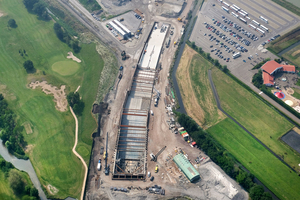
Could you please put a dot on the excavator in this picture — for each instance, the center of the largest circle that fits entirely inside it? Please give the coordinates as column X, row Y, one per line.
column 180, row 19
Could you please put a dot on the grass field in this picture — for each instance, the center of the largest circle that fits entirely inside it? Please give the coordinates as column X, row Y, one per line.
column 258, row 160
column 65, row 68
column 293, row 55
column 285, row 41
column 290, row 5
column 197, row 96
column 296, row 93
column 53, row 131
column 262, row 121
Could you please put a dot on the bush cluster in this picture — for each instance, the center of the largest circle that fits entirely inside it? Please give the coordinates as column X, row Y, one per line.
column 221, row 157
column 11, row 133
column 37, row 7
column 75, row 102
column 65, row 37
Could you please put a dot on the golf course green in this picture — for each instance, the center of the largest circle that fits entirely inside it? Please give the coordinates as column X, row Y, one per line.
column 65, row 68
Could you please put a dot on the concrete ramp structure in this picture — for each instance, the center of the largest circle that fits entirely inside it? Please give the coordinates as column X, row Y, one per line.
column 130, row 156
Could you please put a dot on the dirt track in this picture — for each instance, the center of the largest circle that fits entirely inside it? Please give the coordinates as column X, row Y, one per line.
column 77, row 154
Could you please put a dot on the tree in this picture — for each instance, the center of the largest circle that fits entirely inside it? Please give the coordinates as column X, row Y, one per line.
column 225, row 69
column 40, row 9
column 29, row 4
column 59, row 32
column 15, row 181
column 12, row 23
column 193, row 45
column 27, row 189
column 34, row 192
column 28, row 65
column 208, row 56
column 75, row 102
column 256, row 192
column 76, row 46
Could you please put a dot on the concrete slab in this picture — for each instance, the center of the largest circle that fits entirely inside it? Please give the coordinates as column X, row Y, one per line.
column 154, row 46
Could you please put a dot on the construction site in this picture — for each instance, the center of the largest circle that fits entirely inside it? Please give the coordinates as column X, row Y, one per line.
column 146, row 153
column 131, row 147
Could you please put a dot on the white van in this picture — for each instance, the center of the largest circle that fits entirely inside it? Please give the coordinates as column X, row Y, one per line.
column 151, row 112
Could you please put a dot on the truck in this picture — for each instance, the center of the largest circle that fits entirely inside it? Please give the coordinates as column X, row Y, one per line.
column 99, row 165
column 156, row 169
column 151, row 112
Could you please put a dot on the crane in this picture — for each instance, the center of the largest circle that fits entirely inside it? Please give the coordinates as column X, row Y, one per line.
column 154, row 157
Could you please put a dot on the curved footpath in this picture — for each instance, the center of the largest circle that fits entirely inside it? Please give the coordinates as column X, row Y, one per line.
column 77, row 154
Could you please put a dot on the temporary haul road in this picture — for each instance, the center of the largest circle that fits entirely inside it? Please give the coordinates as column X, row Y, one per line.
column 77, row 154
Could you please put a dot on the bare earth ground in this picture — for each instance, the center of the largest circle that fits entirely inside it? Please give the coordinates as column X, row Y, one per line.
column 191, row 103
column 58, row 94
column 51, row 189
column 27, row 127
column 71, row 56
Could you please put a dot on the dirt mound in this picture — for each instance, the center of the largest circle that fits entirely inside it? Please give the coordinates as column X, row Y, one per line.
column 59, row 94
column 51, row 189
column 71, row 56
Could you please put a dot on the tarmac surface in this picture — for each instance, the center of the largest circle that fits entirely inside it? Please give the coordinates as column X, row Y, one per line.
column 292, row 139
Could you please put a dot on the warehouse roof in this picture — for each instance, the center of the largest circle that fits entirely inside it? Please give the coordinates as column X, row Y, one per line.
column 186, row 167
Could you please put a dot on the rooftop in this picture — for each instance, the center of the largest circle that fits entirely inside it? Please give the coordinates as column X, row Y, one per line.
column 187, row 168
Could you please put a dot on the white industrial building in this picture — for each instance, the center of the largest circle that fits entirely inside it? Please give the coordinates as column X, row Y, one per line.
column 120, row 28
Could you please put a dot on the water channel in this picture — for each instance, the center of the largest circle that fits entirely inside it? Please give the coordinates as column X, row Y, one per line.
column 24, row 165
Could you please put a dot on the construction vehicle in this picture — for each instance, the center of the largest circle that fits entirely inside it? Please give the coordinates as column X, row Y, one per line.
column 180, row 19
column 156, row 97
column 105, row 156
column 154, row 157
column 99, row 165
column 156, row 169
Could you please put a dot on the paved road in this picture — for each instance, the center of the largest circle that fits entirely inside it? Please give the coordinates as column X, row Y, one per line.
column 77, row 154
column 185, row 37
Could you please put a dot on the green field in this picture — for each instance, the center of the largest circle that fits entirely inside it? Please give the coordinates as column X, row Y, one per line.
column 262, row 121
column 53, row 131
column 285, row 41
column 293, row 55
column 65, row 68
column 199, row 77
column 257, row 159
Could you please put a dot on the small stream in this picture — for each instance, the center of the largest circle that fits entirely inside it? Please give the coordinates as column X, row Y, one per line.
column 24, row 165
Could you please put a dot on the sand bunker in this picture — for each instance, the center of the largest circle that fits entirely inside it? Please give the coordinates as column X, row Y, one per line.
column 71, row 56
column 1, row 14
column 59, row 94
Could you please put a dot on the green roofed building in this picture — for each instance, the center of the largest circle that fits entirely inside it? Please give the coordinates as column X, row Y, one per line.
column 186, row 167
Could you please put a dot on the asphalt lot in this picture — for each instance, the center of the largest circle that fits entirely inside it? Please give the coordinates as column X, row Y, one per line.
column 255, row 53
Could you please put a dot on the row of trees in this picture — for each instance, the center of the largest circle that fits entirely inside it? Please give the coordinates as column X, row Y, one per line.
column 37, row 7
column 208, row 57
column 11, row 133
column 65, row 37
column 75, row 102
column 220, row 156
column 17, row 183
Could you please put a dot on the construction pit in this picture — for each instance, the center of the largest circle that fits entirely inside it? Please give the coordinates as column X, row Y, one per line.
column 137, row 128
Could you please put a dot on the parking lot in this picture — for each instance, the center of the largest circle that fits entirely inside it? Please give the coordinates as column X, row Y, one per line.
column 233, row 41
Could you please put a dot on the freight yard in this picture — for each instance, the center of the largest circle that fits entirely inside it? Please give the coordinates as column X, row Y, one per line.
column 143, row 137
